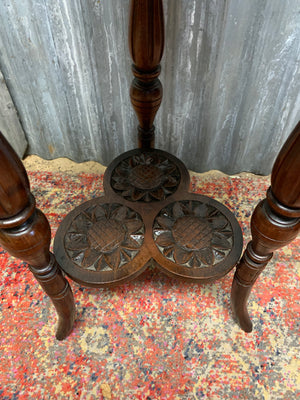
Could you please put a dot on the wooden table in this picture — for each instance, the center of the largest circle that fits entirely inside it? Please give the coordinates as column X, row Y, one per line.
column 147, row 214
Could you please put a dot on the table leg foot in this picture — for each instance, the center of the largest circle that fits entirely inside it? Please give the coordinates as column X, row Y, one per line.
column 58, row 289
column 239, row 298
column 65, row 308
column 247, row 272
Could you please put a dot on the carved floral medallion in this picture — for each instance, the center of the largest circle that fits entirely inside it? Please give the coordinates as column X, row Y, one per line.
column 193, row 234
column 145, row 177
column 104, row 237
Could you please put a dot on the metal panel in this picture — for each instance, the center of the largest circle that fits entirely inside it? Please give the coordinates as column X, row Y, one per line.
column 230, row 76
column 9, row 122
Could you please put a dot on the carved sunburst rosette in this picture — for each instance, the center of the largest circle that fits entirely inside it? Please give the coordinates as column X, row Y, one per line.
column 193, row 234
column 100, row 243
column 104, row 237
column 146, row 176
column 197, row 238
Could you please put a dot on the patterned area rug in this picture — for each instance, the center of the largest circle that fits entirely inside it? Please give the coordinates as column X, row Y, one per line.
column 153, row 338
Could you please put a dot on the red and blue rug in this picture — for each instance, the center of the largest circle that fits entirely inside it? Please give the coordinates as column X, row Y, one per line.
column 154, row 338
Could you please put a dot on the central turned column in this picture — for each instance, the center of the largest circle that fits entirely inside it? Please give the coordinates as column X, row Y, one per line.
column 146, row 44
column 147, row 213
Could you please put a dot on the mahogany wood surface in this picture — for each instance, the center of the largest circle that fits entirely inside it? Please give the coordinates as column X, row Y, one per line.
column 25, row 234
column 275, row 223
column 146, row 44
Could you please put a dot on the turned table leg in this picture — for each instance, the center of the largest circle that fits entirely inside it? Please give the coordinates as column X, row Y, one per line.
column 146, row 45
column 25, row 234
column 275, row 223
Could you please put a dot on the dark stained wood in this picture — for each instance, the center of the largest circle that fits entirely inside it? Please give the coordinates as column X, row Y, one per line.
column 100, row 243
column 146, row 43
column 285, row 180
column 275, row 223
column 146, row 176
column 197, row 239
column 147, row 213
column 25, row 234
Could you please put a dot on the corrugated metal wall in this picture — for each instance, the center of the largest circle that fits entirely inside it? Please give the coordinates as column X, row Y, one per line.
column 230, row 73
column 9, row 121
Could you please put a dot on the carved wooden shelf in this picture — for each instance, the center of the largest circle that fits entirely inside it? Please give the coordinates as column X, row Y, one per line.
column 147, row 212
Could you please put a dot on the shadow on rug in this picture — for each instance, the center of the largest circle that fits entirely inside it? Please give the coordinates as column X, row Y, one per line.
column 155, row 337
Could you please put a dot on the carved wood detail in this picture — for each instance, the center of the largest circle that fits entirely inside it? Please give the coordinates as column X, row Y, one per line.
column 146, row 177
column 104, row 237
column 193, row 234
